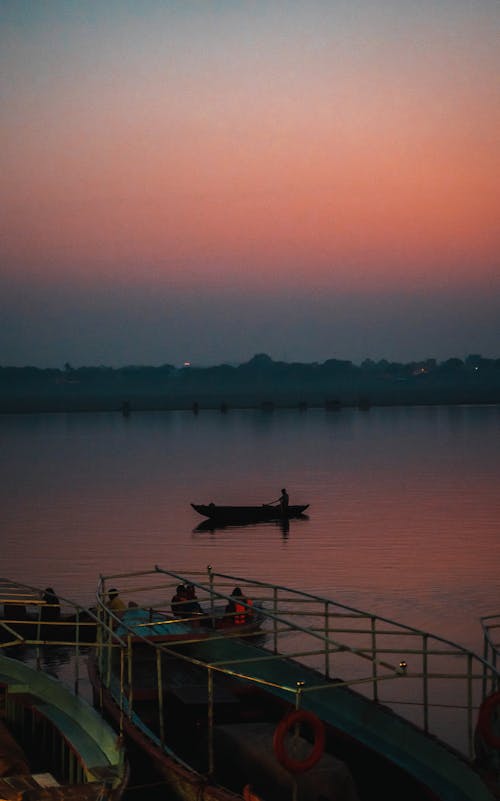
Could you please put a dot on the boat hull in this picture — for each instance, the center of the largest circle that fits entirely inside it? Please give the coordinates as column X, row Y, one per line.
column 47, row 719
column 246, row 514
column 186, row 784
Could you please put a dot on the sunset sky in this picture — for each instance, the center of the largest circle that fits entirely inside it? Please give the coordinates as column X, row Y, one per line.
column 207, row 180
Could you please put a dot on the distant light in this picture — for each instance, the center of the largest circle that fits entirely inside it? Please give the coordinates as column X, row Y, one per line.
column 187, row 364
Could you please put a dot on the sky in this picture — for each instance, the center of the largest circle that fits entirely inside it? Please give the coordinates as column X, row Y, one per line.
column 203, row 181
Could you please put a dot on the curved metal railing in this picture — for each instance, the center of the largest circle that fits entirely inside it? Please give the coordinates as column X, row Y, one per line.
column 436, row 684
column 48, row 642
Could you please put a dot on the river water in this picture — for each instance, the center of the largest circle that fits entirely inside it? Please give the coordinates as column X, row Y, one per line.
column 403, row 519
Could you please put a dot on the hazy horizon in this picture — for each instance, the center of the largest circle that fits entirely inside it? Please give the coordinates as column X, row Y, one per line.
column 201, row 182
column 237, row 363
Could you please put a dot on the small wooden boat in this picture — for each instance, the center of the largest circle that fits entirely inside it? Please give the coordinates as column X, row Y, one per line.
column 164, row 627
column 237, row 514
column 146, row 613
column 54, row 746
column 324, row 706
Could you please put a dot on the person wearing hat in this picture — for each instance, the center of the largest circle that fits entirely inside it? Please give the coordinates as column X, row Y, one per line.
column 115, row 603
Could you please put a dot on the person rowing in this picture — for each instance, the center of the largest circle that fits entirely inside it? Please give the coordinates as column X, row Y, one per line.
column 282, row 501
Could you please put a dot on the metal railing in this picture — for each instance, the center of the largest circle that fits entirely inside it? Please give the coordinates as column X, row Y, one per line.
column 436, row 684
column 491, row 648
column 53, row 638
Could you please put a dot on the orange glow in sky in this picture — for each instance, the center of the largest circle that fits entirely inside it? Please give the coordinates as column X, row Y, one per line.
column 343, row 146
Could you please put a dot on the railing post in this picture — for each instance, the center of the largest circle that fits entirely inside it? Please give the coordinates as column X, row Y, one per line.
column 470, row 724
column 485, row 655
column 298, row 702
column 100, row 653
column 211, row 764
column 38, row 638
column 77, row 651
column 159, row 684
column 110, row 655
column 298, row 695
column 130, row 676
column 374, row 657
column 327, row 641
column 122, row 682
column 275, row 622
column 211, row 590
column 425, row 679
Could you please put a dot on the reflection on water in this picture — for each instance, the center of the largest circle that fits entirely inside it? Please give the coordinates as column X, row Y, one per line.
column 282, row 525
column 403, row 516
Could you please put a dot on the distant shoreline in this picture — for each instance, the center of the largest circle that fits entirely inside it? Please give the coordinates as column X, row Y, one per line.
column 260, row 383
column 126, row 408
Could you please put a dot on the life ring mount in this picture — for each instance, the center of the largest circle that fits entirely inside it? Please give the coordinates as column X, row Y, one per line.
column 298, row 716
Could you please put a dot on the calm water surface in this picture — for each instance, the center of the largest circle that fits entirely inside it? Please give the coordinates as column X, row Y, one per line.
column 403, row 519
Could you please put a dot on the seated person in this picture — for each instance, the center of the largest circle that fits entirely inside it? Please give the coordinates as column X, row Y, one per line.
column 52, row 610
column 178, row 601
column 184, row 603
column 284, row 501
column 236, row 608
column 115, row 603
column 191, row 606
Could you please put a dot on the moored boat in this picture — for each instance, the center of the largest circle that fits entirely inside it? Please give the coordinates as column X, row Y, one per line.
column 241, row 514
column 53, row 742
column 151, row 608
column 163, row 627
column 32, row 614
column 329, row 703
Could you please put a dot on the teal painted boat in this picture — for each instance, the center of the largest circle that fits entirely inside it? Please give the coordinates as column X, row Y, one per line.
column 53, row 742
column 328, row 702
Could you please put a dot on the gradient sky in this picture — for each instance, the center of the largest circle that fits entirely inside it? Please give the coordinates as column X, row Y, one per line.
column 208, row 180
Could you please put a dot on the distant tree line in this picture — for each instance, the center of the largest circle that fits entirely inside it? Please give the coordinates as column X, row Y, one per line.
column 259, row 362
column 261, row 380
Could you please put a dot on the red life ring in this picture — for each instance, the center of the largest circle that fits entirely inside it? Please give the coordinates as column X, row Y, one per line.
column 282, row 729
column 484, row 727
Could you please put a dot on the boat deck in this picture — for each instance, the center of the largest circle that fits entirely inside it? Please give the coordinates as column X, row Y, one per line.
column 376, row 726
column 405, row 697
